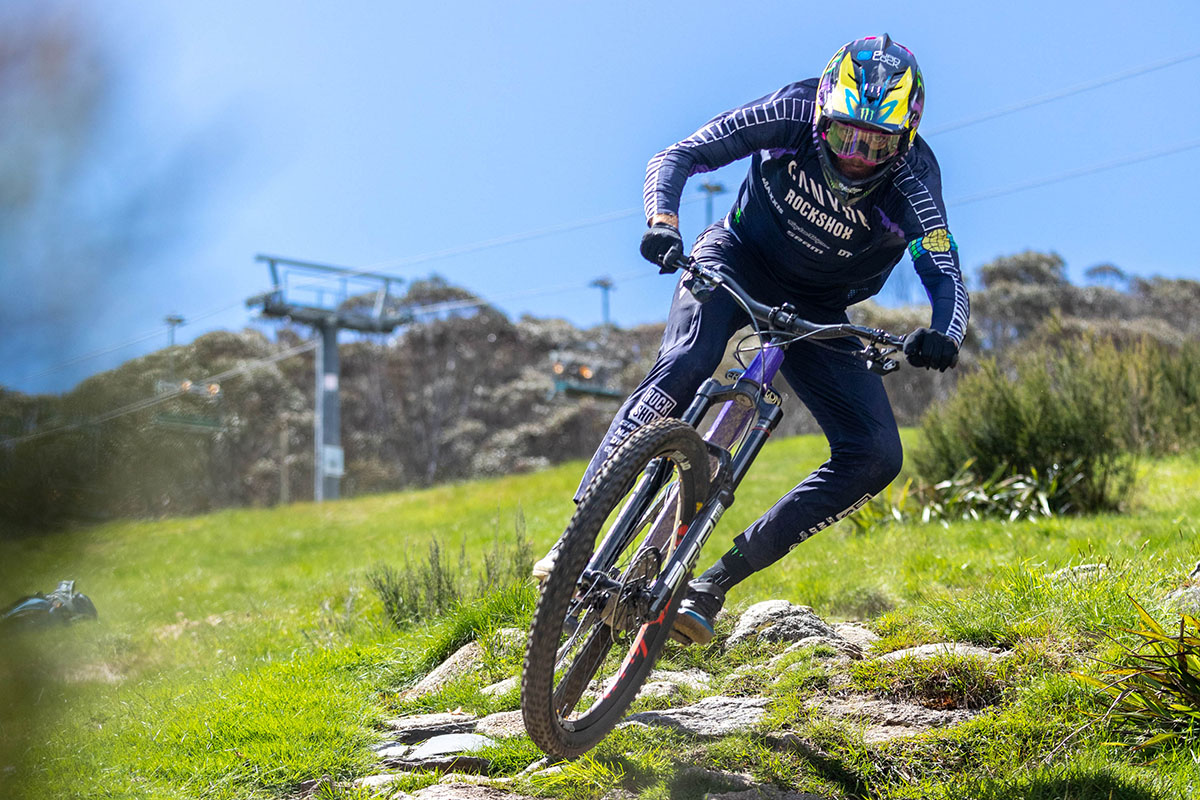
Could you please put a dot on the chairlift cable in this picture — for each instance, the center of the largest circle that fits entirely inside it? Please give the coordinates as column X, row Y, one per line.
column 1077, row 89
column 149, row 402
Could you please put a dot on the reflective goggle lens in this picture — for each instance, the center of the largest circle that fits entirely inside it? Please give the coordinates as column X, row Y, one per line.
column 872, row 147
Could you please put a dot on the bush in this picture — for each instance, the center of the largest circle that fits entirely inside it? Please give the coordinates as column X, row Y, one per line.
column 1052, row 410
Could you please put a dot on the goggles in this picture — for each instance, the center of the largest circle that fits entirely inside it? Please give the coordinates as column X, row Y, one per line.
column 860, row 144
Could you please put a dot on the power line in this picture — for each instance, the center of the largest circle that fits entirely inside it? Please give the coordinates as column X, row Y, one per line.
column 625, row 213
column 1075, row 173
column 141, row 337
column 1077, row 89
column 149, row 402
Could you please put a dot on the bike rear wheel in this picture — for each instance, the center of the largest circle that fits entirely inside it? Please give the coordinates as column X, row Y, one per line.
column 593, row 633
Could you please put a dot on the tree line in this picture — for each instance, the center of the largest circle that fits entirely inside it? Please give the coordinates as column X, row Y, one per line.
column 455, row 395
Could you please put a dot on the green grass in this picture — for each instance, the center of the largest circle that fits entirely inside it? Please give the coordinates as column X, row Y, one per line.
column 241, row 653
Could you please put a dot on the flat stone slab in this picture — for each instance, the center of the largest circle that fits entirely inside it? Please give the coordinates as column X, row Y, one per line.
column 448, row 745
column 660, row 689
column 379, row 781
column 392, row 750
column 778, row 621
column 466, row 791
column 765, row 792
column 1185, row 600
column 709, row 718
column 887, row 719
column 946, row 649
column 503, row 725
column 419, row 727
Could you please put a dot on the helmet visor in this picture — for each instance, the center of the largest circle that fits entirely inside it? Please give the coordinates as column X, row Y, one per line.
column 860, row 144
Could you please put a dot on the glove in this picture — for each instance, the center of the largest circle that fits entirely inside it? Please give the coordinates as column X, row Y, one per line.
column 662, row 245
column 931, row 349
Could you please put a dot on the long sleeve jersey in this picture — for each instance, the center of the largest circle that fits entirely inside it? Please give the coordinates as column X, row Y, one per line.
column 812, row 244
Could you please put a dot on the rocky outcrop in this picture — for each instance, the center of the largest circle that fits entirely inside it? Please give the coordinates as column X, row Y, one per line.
column 452, row 742
column 958, row 649
column 711, row 718
column 884, row 720
column 778, row 621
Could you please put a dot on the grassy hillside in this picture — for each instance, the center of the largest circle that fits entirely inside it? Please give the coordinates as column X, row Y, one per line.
column 240, row 653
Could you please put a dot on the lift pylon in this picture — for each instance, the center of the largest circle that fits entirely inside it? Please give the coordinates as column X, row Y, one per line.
column 329, row 298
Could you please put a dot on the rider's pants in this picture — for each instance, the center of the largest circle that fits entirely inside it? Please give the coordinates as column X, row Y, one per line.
column 847, row 400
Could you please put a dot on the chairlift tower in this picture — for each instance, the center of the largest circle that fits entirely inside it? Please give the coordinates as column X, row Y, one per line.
column 605, row 285
column 711, row 189
column 329, row 299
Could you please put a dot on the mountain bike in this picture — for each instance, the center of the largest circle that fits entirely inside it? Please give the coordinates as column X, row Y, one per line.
column 607, row 607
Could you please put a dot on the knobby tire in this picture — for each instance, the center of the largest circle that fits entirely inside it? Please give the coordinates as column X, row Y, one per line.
column 547, row 706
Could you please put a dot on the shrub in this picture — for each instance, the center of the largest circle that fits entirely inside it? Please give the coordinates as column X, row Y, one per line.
column 1054, row 411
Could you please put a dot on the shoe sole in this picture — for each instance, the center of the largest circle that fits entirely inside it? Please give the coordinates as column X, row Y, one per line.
column 541, row 570
column 690, row 628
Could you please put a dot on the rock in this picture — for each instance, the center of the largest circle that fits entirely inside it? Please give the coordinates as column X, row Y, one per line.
column 449, row 744
column 841, row 646
column 463, row 661
column 418, row 728
column 886, row 719
column 778, row 621
column 1185, row 600
column 306, row 788
column 503, row 725
column 503, row 687
column 797, row 744
column 764, row 792
column 466, row 791
column 510, row 640
column 709, row 718
column 392, row 750
column 381, row 781
column 1079, row 572
column 856, row 633
column 695, row 679
column 945, row 648
column 728, row 781
column 659, row 689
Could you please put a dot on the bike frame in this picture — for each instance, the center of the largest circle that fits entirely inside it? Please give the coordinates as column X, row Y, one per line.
column 744, row 402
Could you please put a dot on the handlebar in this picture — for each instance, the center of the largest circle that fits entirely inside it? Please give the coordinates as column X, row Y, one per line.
column 783, row 318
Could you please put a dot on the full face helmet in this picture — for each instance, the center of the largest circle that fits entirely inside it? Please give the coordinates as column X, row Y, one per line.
column 869, row 103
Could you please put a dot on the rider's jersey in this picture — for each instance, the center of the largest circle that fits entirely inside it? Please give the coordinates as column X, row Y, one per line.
column 811, row 243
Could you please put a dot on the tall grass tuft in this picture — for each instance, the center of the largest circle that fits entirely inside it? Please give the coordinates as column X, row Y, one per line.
column 432, row 587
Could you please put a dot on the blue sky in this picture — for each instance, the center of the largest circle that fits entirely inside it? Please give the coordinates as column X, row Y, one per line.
column 371, row 134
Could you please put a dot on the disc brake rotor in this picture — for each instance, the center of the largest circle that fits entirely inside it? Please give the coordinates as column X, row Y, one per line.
column 626, row 610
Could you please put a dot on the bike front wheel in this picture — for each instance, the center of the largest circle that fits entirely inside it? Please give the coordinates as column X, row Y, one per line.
column 591, row 630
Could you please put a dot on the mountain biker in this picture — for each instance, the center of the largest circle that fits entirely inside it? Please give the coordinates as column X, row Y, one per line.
column 839, row 186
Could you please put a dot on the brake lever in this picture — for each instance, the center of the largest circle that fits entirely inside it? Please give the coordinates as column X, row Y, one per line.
column 878, row 361
column 697, row 282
